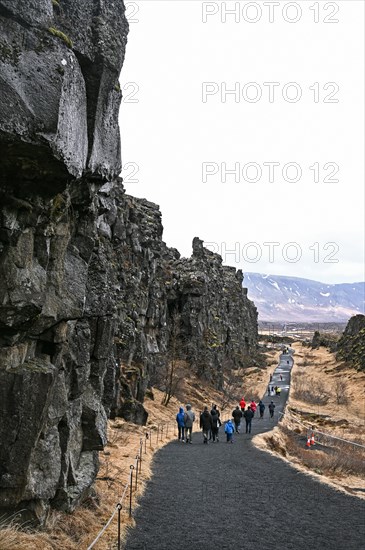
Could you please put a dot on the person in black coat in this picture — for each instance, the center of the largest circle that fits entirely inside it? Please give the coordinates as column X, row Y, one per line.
column 248, row 417
column 272, row 409
column 216, row 423
column 206, row 424
column 237, row 416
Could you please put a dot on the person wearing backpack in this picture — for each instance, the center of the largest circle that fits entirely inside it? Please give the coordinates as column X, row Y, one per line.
column 206, row 424
column 261, row 408
column 216, row 423
column 248, row 417
column 272, row 409
column 189, row 419
column 229, row 431
column 237, row 416
column 180, row 419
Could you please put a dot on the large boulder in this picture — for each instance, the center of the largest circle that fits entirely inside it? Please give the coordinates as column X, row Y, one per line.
column 59, row 69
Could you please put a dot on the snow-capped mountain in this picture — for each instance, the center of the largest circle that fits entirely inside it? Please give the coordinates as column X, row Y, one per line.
column 280, row 298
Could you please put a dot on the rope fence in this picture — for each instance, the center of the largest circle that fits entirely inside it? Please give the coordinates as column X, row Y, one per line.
column 154, row 434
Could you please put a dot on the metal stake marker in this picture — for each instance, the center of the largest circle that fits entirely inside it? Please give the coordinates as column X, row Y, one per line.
column 131, row 489
column 137, row 459
column 119, row 510
column 140, row 456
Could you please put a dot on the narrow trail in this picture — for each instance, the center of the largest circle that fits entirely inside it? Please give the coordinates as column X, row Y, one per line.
column 236, row 497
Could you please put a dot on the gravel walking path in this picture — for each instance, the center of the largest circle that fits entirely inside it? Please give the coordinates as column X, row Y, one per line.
column 236, row 497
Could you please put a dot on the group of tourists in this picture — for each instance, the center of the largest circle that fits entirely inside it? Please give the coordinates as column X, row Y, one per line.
column 249, row 413
column 185, row 421
column 210, row 421
column 271, row 390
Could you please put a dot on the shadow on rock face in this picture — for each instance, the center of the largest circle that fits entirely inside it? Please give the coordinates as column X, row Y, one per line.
column 28, row 169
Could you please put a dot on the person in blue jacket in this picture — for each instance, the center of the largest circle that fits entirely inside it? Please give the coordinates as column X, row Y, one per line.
column 180, row 419
column 229, row 430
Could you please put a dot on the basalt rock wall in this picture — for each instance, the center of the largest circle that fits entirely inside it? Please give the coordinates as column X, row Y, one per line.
column 351, row 346
column 89, row 292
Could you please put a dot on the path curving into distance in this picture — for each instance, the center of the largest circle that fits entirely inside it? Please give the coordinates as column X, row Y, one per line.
column 236, row 497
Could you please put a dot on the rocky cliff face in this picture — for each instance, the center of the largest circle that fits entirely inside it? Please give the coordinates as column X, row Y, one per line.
column 351, row 346
column 89, row 292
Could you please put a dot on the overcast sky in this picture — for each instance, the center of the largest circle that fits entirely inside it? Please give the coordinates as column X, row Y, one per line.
column 272, row 175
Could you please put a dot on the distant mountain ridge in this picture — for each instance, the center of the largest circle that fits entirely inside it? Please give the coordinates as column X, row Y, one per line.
column 281, row 298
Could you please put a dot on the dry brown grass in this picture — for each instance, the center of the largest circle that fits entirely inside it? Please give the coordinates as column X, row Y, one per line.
column 78, row 530
column 338, row 459
column 331, row 397
column 311, row 390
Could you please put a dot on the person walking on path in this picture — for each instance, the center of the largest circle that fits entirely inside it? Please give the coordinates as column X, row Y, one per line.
column 237, row 416
column 216, row 423
column 261, row 409
column 243, row 404
column 229, row 430
column 253, row 406
column 189, row 421
column 206, row 424
column 272, row 409
column 248, row 417
column 281, row 377
column 278, row 391
column 180, row 419
column 268, row 390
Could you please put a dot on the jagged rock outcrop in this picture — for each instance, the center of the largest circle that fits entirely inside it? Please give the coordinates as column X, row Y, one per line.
column 351, row 346
column 217, row 323
column 328, row 341
column 89, row 292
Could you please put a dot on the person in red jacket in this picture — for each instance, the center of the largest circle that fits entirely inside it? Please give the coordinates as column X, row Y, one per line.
column 243, row 404
column 253, row 406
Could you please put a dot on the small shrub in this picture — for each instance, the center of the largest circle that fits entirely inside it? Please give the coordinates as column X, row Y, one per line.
column 311, row 391
column 341, row 392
